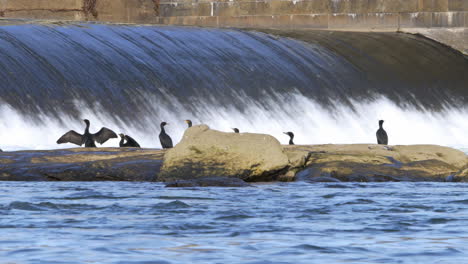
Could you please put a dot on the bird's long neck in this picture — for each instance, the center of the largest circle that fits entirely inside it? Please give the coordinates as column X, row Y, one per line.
column 291, row 140
column 121, row 141
column 162, row 129
column 87, row 128
column 381, row 125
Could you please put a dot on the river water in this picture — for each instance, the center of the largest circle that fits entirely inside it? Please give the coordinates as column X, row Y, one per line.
column 122, row 222
column 325, row 87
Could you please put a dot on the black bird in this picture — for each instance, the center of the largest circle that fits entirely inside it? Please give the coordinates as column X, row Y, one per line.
column 131, row 143
column 87, row 138
column 382, row 137
column 165, row 139
column 291, row 136
column 189, row 122
column 236, row 130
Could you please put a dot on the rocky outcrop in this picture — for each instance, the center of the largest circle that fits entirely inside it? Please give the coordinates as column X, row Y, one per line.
column 209, row 153
column 81, row 164
column 373, row 163
column 255, row 157
column 208, row 157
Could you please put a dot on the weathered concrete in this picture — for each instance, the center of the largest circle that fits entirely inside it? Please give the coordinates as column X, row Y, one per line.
column 81, row 164
column 415, row 16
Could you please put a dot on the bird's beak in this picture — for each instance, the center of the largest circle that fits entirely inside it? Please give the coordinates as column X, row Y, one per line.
column 285, row 133
column 186, row 121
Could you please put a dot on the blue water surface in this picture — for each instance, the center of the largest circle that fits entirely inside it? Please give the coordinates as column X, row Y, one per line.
column 122, row 222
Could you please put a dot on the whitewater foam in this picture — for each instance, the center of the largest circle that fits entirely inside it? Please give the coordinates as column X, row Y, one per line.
column 311, row 123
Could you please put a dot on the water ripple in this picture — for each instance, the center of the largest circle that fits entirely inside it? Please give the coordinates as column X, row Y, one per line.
column 272, row 223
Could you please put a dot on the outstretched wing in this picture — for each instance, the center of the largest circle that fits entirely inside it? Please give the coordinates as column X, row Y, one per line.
column 103, row 135
column 71, row 137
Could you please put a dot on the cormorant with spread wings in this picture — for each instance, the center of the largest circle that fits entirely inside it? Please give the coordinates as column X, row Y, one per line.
column 87, row 138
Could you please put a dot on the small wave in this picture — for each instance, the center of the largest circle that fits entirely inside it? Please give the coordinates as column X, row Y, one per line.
column 440, row 220
column 24, row 251
column 235, row 217
column 183, row 198
column 26, row 206
column 465, row 201
column 92, row 195
column 399, row 210
column 325, row 250
column 357, row 201
column 144, row 262
column 338, row 186
column 171, row 205
column 329, row 196
column 417, row 206
column 446, row 252
column 323, row 210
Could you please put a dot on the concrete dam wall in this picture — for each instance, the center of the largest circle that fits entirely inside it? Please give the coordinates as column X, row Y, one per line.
column 443, row 20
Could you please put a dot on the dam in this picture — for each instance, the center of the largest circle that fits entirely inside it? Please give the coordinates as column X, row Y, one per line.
column 327, row 70
column 325, row 86
column 443, row 20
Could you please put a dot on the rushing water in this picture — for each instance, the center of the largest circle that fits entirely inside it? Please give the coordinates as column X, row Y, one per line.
column 119, row 222
column 325, row 87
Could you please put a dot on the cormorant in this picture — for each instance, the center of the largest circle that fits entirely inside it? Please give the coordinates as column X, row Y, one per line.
column 131, row 143
column 189, row 122
column 87, row 138
column 165, row 139
column 291, row 135
column 382, row 137
column 236, row 130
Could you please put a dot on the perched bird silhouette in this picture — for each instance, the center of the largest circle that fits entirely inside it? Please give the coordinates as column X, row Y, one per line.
column 87, row 138
column 236, row 130
column 165, row 139
column 382, row 137
column 131, row 143
column 291, row 137
column 189, row 122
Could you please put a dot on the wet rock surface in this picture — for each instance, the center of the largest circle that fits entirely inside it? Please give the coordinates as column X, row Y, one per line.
column 377, row 163
column 212, row 158
column 204, row 152
column 255, row 157
column 81, row 164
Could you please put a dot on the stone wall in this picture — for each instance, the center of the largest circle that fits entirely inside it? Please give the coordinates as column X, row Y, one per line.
column 356, row 15
column 324, row 14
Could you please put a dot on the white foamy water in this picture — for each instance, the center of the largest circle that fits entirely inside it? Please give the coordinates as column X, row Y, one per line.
column 311, row 123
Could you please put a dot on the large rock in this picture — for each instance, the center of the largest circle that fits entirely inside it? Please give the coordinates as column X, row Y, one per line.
column 380, row 163
column 209, row 153
column 81, row 164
